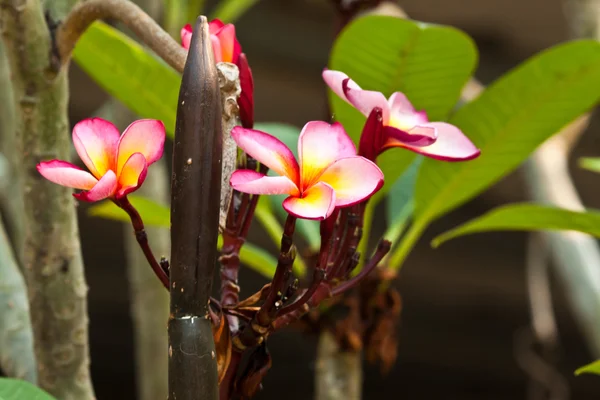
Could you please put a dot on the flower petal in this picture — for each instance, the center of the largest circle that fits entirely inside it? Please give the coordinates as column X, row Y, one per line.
column 105, row 187
column 366, row 100
column 146, row 136
column 253, row 182
column 186, row 36
column 419, row 136
column 318, row 202
column 267, row 150
column 66, row 174
column 95, row 141
column 335, row 80
column 228, row 41
column 320, row 145
column 132, row 174
column 216, row 47
column 400, row 104
column 246, row 99
column 451, row 144
column 354, row 179
column 214, row 26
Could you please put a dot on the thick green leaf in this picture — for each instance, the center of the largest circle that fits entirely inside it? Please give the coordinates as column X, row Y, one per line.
column 151, row 212
column 400, row 202
column 593, row 368
column 231, row 10
column 401, row 195
column 130, row 73
column 428, row 63
column 590, row 163
column 257, row 259
column 527, row 217
column 509, row 120
column 288, row 134
column 14, row 389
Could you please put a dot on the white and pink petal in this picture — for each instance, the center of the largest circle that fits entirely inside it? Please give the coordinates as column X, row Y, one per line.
column 267, row 150
column 145, row 136
column 354, row 179
column 252, row 182
column 132, row 174
column 317, row 203
column 320, row 145
column 451, row 144
column 96, row 140
column 105, row 188
column 66, row 174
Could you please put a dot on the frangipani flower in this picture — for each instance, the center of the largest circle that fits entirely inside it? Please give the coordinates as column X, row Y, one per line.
column 118, row 163
column 226, row 48
column 329, row 174
column 402, row 125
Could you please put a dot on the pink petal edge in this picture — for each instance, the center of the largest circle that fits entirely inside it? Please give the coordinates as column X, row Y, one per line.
column 105, row 187
column 354, row 179
column 252, row 182
column 186, row 36
column 451, row 144
column 267, row 150
column 132, row 175
column 146, row 136
column 96, row 141
column 66, row 174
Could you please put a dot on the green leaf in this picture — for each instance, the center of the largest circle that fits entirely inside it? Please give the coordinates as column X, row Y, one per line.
column 288, row 134
column 151, row 212
column 509, row 120
column 592, row 368
column 257, row 259
column 590, row 163
column 130, row 73
column 14, row 389
column 428, row 63
column 156, row 214
column 231, row 10
column 401, row 195
column 400, row 202
column 526, row 217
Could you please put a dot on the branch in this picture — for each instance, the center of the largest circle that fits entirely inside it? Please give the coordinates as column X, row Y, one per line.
column 142, row 239
column 17, row 359
column 82, row 16
column 53, row 266
column 195, row 204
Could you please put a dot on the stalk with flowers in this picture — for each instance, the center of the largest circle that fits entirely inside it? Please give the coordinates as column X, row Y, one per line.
column 339, row 172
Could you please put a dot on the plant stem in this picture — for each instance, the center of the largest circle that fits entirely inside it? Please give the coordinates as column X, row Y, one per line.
column 367, row 221
column 142, row 239
column 53, row 266
column 129, row 14
column 195, row 204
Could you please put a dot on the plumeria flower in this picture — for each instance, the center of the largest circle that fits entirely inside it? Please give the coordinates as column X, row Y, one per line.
column 401, row 124
column 226, row 48
column 118, row 163
column 328, row 174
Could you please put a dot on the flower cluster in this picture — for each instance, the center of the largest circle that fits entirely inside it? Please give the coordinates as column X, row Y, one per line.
column 329, row 173
column 118, row 163
column 226, row 48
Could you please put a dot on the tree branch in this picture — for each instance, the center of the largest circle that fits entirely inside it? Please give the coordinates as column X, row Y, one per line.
column 129, row 14
column 53, row 265
column 195, row 204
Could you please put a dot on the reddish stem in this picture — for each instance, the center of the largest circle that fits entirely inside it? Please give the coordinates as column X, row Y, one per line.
column 142, row 238
column 382, row 249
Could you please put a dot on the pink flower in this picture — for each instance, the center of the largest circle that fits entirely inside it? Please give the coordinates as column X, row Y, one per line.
column 329, row 174
column 226, row 48
column 118, row 163
column 395, row 123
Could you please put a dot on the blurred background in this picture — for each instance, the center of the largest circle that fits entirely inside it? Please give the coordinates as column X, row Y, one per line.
column 464, row 305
